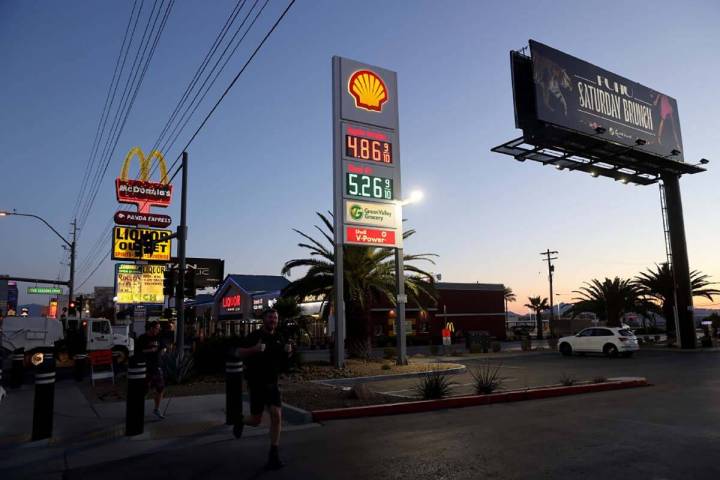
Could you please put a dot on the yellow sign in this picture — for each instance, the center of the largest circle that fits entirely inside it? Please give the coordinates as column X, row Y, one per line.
column 145, row 164
column 139, row 283
column 127, row 244
column 142, row 192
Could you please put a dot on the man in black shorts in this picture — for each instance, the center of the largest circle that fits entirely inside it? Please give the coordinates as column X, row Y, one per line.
column 151, row 346
column 265, row 354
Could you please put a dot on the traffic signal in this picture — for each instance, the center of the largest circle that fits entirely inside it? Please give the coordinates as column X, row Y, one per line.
column 71, row 308
column 169, row 282
column 189, row 283
column 147, row 247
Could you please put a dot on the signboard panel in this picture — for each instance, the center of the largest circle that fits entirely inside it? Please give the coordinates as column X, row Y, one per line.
column 143, row 192
column 368, row 94
column 209, row 272
column 139, row 283
column 373, row 214
column 125, row 239
column 578, row 95
column 377, row 237
column 44, row 291
column 124, row 217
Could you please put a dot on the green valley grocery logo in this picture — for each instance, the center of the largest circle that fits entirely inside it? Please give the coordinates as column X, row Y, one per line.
column 356, row 212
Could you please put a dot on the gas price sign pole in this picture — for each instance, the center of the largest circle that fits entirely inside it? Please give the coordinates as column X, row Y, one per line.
column 366, row 178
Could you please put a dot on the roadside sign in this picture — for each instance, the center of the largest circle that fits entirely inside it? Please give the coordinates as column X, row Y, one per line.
column 142, row 192
column 125, row 244
column 376, row 214
column 139, row 283
column 124, row 217
column 378, row 237
column 44, row 291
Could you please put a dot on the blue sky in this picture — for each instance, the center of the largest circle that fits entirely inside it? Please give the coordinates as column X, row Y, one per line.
column 262, row 165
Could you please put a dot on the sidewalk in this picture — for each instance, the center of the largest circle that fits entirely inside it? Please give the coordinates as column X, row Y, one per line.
column 86, row 434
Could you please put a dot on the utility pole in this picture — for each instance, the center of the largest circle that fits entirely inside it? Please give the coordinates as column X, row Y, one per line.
column 71, row 282
column 182, row 238
column 548, row 254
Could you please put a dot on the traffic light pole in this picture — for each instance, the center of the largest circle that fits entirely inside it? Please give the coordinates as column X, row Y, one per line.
column 182, row 238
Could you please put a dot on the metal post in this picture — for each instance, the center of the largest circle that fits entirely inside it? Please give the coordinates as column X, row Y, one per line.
column 182, row 237
column 135, row 403
column 339, row 304
column 44, row 401
column 233, row 390
column 680, row 262
column 17, row 372
column 400, row 332
column 80, row 366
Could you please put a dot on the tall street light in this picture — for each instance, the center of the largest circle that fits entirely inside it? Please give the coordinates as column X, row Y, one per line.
column 71, row 244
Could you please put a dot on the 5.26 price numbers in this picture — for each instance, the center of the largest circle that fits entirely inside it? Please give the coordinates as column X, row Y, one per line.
column 368, row 186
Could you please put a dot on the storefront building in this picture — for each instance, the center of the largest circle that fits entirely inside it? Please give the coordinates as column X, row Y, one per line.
column 240, row 300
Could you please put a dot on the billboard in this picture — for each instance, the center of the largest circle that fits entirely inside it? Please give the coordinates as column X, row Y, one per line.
column 209, row 272
column 139, row 283
column 125, row 240
column 144, row 193
column 580, row 96
column 366, row 163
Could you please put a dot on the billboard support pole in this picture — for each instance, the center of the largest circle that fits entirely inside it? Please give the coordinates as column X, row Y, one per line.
column 71, row 282
column 182, row 238
column 400, row 329
column 339, row 303
column 680, row 262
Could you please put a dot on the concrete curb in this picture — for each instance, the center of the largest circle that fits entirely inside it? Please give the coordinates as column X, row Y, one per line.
column 474, row 400
column 297, row 416
column 680, row 350
column 332, row 382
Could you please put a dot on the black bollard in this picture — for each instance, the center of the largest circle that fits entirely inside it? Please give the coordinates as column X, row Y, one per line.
column 135, row 411
column 18, row 362
column 79, row 366
column 233, row 391
column 44, row 402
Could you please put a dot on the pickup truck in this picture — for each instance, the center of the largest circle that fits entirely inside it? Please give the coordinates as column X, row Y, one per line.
column 40, row 333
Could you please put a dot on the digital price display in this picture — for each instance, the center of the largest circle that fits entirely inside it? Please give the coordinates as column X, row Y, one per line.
column 368, row 186
column 363, row 148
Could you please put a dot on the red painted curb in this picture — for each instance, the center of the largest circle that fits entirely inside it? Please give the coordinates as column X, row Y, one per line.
column 472, row 400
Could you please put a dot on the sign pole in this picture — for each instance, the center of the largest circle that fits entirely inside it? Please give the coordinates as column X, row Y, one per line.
column 339, row 303
column 182, row 238
column 71, row 282
column 401, row 301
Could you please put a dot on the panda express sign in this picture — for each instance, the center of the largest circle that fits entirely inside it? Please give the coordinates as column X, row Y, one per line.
column 580, row 96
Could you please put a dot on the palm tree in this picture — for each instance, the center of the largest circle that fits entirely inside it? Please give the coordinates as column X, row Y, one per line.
column 509, row 296
column 538, row 305
column 611, row 299
column 369, row 280
column 659, row 284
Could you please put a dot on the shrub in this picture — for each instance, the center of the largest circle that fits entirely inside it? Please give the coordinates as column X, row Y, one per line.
column 389, row 353
column 386, row 366
column 178, row 369
column 485, row 343
column 600, row 379
column 496, row 346
column 487, row 378
column 567, row 380
column 434, row 349
column 434, row 385
column 296, row 361
column 526, row 344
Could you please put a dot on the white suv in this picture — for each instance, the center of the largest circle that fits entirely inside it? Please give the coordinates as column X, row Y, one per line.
column 611, row 341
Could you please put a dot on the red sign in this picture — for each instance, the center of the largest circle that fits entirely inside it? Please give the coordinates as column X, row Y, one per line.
column 445, row 332
column 144, row 194
column 123, row 217
column 370, row 236
column 232, row 302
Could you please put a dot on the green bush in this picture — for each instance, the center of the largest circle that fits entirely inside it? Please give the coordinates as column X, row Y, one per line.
column 434, row 385
column 496, row 346
column 487, row 378
column 389, row 353
column 211, row 354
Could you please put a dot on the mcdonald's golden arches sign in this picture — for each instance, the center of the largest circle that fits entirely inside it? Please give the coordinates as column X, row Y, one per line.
column 144, row 193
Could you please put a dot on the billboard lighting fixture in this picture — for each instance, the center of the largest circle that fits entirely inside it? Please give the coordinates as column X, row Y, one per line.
column 559, row 167
column 704, row 161
column 640, row 142
column 519, row 159
column 600, row 130
column 674, row 152
column 594, row 173
column 624, row 180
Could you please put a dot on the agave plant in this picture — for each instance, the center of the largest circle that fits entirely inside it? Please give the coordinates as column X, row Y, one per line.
column 435, row 385
column 487, row 378
column 178, row 368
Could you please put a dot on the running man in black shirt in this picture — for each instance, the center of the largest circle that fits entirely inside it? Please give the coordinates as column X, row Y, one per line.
column 265, row 353
column 151, row 346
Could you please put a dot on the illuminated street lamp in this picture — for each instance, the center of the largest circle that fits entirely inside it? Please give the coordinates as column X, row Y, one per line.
column 415, row 197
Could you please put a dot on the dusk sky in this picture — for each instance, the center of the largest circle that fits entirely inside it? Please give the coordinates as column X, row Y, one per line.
column 262, row 165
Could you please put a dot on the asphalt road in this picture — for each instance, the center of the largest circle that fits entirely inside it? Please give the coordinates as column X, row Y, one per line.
column 668, row 431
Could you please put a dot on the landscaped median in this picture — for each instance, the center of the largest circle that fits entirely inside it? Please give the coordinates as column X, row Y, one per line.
column 474, row 400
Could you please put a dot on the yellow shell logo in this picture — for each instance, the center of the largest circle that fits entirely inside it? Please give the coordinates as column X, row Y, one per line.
column 368, row 89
